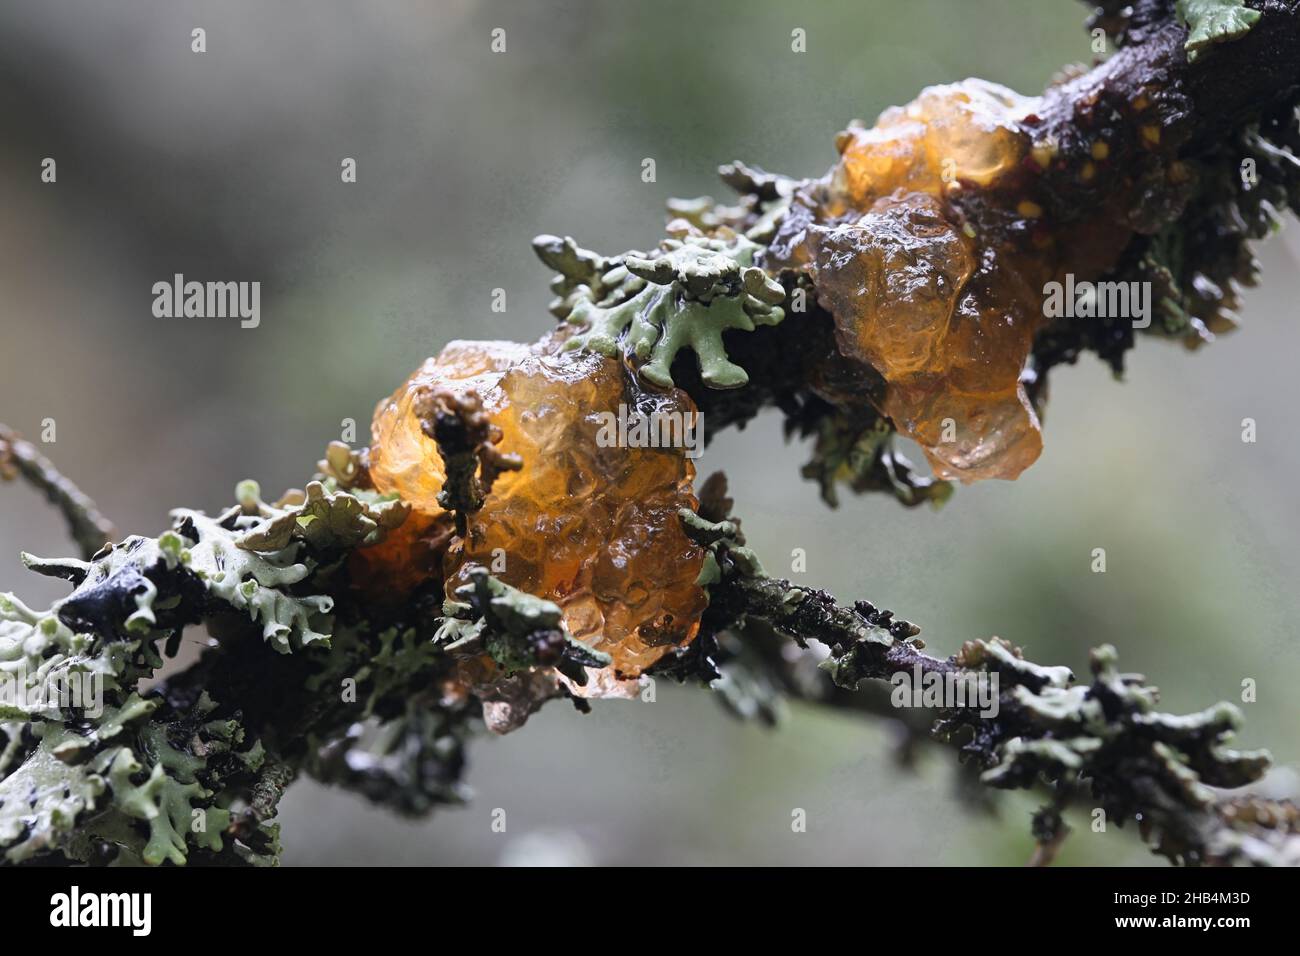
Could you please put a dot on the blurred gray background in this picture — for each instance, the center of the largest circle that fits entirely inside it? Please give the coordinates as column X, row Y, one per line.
column 225, row 166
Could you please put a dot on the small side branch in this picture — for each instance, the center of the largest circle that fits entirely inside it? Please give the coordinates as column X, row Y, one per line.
column 19, row 457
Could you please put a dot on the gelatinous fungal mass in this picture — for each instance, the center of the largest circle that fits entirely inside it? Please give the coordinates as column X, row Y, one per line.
column 590, row 521
column 926, row 244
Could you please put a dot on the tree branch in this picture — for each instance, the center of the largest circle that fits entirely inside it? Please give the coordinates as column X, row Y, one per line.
column 377, row 690
column 90, row 529
column 1104, row 738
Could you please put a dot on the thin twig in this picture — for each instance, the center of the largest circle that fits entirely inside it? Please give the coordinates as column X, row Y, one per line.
column 89, row 529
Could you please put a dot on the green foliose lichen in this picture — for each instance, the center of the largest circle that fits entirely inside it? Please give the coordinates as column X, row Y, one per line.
column 1213, row 21
column 94, row 770
column 681, row 296
column 519, row 631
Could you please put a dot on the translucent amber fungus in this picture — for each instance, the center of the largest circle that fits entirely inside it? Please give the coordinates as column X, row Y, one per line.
column 968, row 132
column 590, row 521
column 924, row 242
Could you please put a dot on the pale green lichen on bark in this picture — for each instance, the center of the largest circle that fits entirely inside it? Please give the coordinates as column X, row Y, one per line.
column 683, row 295
column 716, row 537
column 1213, row 21
column 324, row 517
column 858, row 450
column 86, row 761
column 519, row 631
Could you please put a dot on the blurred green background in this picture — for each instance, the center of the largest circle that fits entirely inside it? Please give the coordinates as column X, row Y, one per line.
column 225, row 166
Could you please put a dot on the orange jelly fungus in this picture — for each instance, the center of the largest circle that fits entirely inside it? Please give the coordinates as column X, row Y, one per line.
column 587, row 523
column 931, row 257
